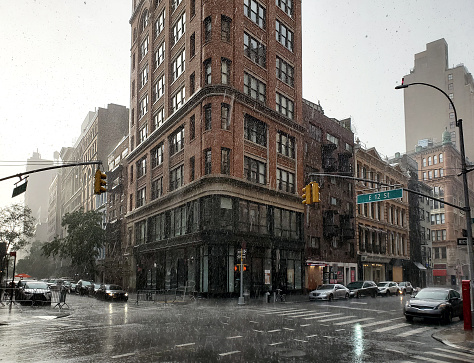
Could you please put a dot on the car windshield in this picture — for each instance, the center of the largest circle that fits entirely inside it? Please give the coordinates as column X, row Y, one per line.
column 382, row 284
column 432, row 294
column 325, row 287
column 113, row 287
column 86, row 283
column 36, row 285
column 355, row 285
column 402, row 284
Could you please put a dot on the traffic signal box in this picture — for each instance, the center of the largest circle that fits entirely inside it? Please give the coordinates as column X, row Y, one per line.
column 237, row 267
column 99, row 182
column 311, row 193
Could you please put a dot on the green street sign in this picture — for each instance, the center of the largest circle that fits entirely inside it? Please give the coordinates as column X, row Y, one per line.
column 378, row 197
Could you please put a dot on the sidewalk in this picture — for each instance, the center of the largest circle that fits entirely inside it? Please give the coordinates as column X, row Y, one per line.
column 456, row 337
column 18, row 313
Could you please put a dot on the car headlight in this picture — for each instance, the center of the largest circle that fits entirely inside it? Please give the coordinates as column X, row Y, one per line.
column 110, row 294
column 442, row 306
column 126, row 294
column 407, row 305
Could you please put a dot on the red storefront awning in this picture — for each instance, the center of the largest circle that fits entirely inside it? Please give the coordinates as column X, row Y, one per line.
column 439, row 273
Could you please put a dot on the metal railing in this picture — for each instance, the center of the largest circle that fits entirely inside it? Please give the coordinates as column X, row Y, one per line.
column 182, row 293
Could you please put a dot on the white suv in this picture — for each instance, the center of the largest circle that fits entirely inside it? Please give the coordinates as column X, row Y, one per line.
column 388, row 288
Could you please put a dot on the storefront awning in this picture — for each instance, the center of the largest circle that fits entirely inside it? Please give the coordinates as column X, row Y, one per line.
column 439, row 273
column 315, row 263
column 419, row 265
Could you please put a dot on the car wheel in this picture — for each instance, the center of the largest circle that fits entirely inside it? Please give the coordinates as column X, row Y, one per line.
column 347, row 296
column 409, row 318
column 448, row 317
column 330, row 297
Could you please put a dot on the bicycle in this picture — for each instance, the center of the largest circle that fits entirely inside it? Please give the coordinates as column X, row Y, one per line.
column 279, row 296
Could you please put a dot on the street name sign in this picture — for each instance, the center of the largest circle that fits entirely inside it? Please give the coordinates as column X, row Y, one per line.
column 378, row 197
column 463, row 241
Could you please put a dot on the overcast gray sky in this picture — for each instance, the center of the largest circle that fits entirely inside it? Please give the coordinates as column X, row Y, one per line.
column 60, row 59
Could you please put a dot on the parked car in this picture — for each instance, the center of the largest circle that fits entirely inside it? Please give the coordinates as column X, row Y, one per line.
column 84, row 287
column 329, row 292
column 388, row 288
column 434, row 303
column 111, row 292
column 72, row 288
column 406, row 287
column 95, row 287
column 33, row 293
column 362, row 288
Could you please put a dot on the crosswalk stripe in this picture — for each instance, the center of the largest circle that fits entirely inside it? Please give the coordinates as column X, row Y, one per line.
column 419, row 357
column 449, row 357
column 308, row 314
column 413, row 331
column 379, row 322
column 353, row 321
column 338, row 318
column 320, row 317
column 454, row 352
column 295, row 312
column 387, row 328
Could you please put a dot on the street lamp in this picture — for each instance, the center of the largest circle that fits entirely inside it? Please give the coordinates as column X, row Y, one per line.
column 464, row 171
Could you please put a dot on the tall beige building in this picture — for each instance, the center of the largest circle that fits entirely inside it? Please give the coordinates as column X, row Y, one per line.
column 427, row 112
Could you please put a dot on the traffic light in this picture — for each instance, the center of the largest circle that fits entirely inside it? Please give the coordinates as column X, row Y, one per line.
column 314, row 192
column 306, row 194
column 99, row 182
column 237, row 267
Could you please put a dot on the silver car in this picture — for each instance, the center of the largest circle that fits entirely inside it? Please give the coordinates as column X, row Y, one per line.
column 388, row 288
column 329, row 292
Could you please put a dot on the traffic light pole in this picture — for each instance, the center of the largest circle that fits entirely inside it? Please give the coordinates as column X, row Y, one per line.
column 241, row 297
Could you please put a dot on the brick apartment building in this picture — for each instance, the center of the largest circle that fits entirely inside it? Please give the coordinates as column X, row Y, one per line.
column 216, row 145
column 330, row 254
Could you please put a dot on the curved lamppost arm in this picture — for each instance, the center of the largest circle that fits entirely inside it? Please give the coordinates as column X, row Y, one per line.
column 464, row 171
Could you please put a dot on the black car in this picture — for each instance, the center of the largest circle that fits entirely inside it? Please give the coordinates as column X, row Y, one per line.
column 33, row 293
column 434, row 303
column 111, row 292
column 84, row 287
column 362, row 288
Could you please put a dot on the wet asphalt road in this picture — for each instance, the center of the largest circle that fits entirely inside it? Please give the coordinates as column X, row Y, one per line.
column 355, row 330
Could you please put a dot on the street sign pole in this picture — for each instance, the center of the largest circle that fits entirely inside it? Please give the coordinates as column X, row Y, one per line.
column 241, row 297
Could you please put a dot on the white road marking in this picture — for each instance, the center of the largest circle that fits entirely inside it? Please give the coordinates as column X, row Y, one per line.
column 307, row 314
column 340, row 329
column 303, row 325
column 428, row 359
column 229, row 353
column 413, row 331
column 312, row 336
column 122, row 355
column 338, row 318
column 387, row 328
column 235, row 337
column 299, row 340
column 253, row 322
column 289, row 329
column 258, row 331
column 274, row 331
column 359, row 309
column 450, row 356
column 378, row 322
column 360, row 303
column 353, row 321
column 320, row 317
column 295, row 312
column 276, row 343
column 184, row 345
column 455, row 352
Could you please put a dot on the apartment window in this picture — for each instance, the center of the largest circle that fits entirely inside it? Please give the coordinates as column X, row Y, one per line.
column 225, row 161
column 451, row 95
column 175, row 4
column 451, row 115
column 441, row 172
column 159, row 118
column 285, row 72
column 284, row 35
column 450, row 86
column 207, row 71
column 255, row 11
column 315, row 132
column 143, row 106
column 207, row 161
column 144, row 76
column 333, row 139
column 131, row 174
column 225, row 116
column 436, row 173
column 286, row 6
column 176, row 178
column 178, row 65
column 254, row 88
column 144, row 20
column 430, row 174
column 192, row 45
column 207, row 29
column 225, row 28
column 424, row 161
column 192, row 83
column 140, row 232
column 255, row 130
column 424, row 176
column 284, row 105
column 193, row 7
column 285, row 144
column 159, row 55
column 255, row 170
column 430, row 161
column 141, row 167
column 192, row 163
column 144, row 48
column 178, row 29
column 157, row 188
column 285, row 181
column 207, row 117
column 178, row 99
column 157, row 227
column 450, row 77
column 192, row 127
column 176, row 141
column 157, row 155
column 160, row 23
column 143, row 133
column 158, row 89
column 225, row 71
column 435, row 159
column 255, row 50
column 133, row 88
